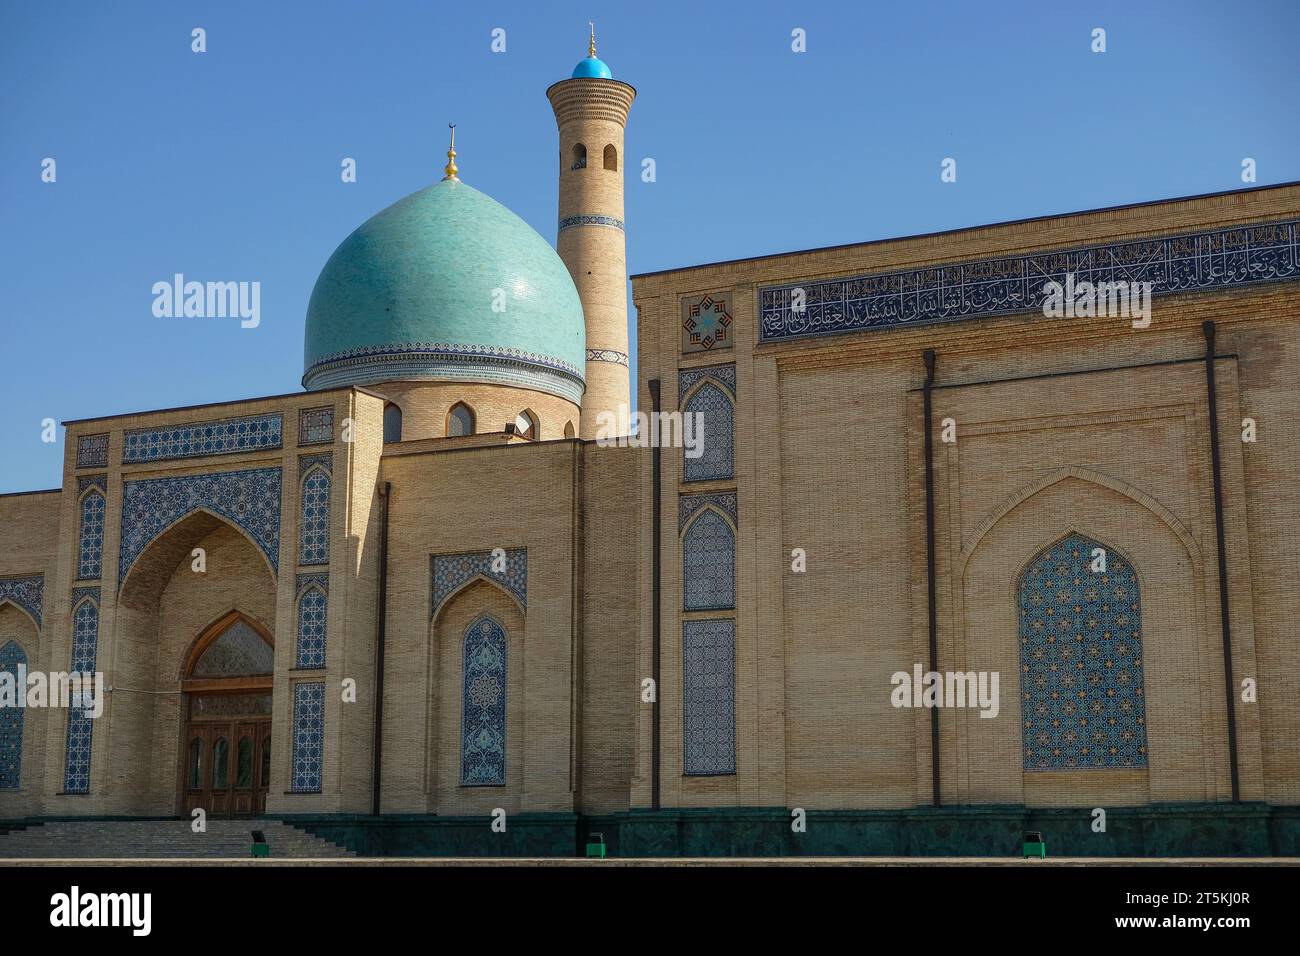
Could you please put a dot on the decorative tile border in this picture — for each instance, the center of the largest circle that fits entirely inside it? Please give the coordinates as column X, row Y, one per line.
column 250, row 499
column 450, row 571
column 607, row 355
column 688, row 377
column 92, row 481
column 1189, row 262
column 572, row 221
column 26, row 592
column 319, row 579
column 305, row 462
column 316, row 425
column 225, row 437
column 687, row 505
column 92, row 451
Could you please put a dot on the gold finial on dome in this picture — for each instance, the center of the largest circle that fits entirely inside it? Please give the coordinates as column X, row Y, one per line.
column 450, row 169
column 591, row 44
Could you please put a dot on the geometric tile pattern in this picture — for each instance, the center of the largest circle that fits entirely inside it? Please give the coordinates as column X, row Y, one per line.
column 687, row 377
column 85, row 646
column 11, row 721
column 709, row 713
column 316, row 425
column 28, row 593
column 687, row 505
column 92, row 451
column 312, row 603
column 1190, row 262
column 607, row 355
column 253, row 433
column 706, row 323
column 314, row 522
column 717, row 414
column 450, row 571
column 572, row 221
column 1082, row 695
column 709, row 563
column 90, row 555
column 483, row 718
column 308, row 736
column 240, row 651
column 249, row 499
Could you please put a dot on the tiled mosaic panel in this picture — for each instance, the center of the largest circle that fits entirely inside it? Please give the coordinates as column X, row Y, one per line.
column 314, row 522
column 85, row 641
column 239, row 652
column 253, row 433
column 687, row 505
column 706, row 323
column 709, row 563
column 717, row 414
column 92, row 451
column 1082, row 696
column 709, row 715
column 687, row 377
column 28, row 593
column 311, row 628
column 11, row 722
column 90, row 553
column 483, row 718
column 1178, row 264
column 316, row 425
column 250, row 499
column 308, row 736
column 450, row 571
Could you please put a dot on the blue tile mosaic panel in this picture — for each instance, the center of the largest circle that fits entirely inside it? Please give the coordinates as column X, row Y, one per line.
column 249, row 499
column 483, row 717
column 314, row 519
column 252, row 433
column 450, row 571
column 1082, row 695
column 709, row 712
column 709, row 563
column 717, row 414
column 27, row 593
column 308, row 736
column 90, row 551
column 92, row 451
column 11, row 721
column 85, row 649
column 313, row 601
column 687, row 505
column 1191, row 262
column 316, row 425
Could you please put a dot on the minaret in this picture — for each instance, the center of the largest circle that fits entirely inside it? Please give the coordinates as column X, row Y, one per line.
column 591, row 111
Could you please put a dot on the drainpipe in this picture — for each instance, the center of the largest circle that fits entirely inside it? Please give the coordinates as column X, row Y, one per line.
column 931, row 586
column 1224, row 622
column 655, row 574
column 385, row 497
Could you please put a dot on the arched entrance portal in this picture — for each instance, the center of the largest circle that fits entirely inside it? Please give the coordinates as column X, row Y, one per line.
column 226, row 748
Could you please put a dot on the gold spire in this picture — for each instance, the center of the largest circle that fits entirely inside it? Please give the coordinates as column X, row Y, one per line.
column 450, row 169
column 591, row 45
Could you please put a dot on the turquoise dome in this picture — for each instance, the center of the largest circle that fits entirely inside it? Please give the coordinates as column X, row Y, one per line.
column 592, row 68
column 410, row 295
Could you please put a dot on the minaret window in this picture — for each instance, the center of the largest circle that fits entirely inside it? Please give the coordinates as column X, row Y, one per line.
column 526, row 425
column 460, row 421
column 611, row 157
column 579, row 156
column 392, row 423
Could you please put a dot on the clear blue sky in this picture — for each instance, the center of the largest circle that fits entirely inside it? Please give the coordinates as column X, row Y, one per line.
column 225, row 165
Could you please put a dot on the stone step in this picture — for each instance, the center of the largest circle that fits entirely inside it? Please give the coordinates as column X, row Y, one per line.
column 161, row 839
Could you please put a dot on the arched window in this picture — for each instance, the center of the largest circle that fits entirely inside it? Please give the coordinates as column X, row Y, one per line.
column 526, row 424
column 314, row 530
column 196, row 764
column 266, row 761
column 715, row 408
column 239, row 651
column 483, row 721
column 579, row 156
column 611, row 157
column 221, row 764
column 310, row 651
column 568, row 430
column 85, row 648
column 709, row 563
column 12, row 656
column 244, row 765
column 1082, row 693
column 90, row 554
column 460, row 420
column 392, row 423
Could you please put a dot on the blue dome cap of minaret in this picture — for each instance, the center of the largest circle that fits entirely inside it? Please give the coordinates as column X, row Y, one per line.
column 446, row 284
column 592, row 67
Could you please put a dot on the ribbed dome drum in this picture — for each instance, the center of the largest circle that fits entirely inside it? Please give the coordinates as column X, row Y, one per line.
column 411, row 293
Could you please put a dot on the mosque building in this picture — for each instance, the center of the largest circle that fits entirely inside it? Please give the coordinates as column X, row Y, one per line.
column 419, row 591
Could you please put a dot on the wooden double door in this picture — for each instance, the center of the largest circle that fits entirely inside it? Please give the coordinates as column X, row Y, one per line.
column 226, row 768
